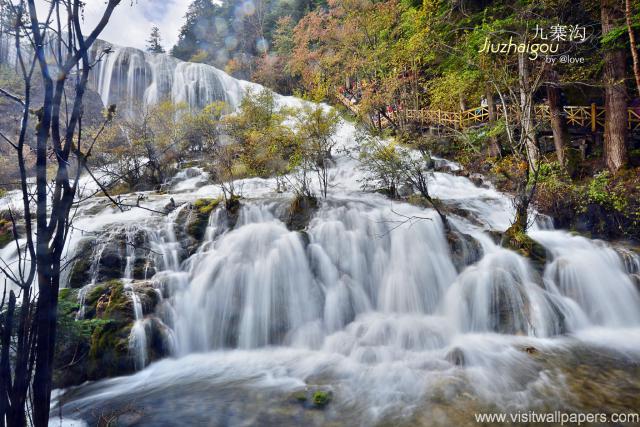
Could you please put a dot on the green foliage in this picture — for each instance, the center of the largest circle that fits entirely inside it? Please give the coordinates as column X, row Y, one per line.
column 73, row 336
column 206, row 206
column 141, row 152
column 154, row 42
column 10, row 81
column 548, row 171
column 447, row 91
column 472, row 141
column 382, row 163
column 321, row 398
column 315, row 128
column 258, row 143
column 616, row 38
column 199, row 219
column 225, row 35
column 601, row 191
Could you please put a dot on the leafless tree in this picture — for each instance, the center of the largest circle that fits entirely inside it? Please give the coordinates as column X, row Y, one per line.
column 51, row 49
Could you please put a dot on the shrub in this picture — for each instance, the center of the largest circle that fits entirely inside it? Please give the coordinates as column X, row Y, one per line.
column 603, row 192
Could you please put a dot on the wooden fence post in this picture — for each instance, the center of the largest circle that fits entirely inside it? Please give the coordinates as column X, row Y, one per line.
column 594, row 113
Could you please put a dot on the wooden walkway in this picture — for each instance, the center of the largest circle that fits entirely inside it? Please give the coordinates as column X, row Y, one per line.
column 589, row 117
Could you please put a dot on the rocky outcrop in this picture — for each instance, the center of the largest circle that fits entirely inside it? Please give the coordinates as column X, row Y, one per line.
column 198, row 217
column 98, row 345
column 104, row 258
column 521, row 243
column 465, row 250
column 300, row 212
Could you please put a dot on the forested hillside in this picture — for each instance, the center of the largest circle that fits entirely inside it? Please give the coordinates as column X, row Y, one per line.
column 388, row 59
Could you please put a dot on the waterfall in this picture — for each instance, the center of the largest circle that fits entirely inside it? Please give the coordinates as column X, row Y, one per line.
column 138, row 337
column 594, row 276
column 367, row 300
column 133, row 79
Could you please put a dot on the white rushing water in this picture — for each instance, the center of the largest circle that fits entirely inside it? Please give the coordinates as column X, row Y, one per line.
column 365, row 303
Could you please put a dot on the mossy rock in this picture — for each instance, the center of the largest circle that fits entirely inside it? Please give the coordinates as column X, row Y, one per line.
column 147, row 294
column 312, row 397
column 198, row 217
column 6, row 232
column 119, row 306
column 520, row 242
column 321, row 398
column 73, row 341
column 301, row 212
column 111, row 310
column 109, row 351
column 97, row 346
column 80, row 274
column 232, row 210
column 204, row 207
column 109, row 301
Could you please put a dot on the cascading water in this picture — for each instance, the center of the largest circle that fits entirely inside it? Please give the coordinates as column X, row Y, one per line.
column 138, row 337
column 134, row 80
column 367, row 302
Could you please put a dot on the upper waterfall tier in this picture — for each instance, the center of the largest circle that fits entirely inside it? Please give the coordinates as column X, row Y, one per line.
column 133, row 78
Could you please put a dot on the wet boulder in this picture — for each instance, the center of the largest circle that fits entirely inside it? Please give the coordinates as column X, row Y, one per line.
column 456, row 357
column 80, row 273
column 160, row 339
column 524, row 245
column 103, row 258
column 465, row 250
column 112, row 259
column 630, row 259
column 509, row 309
column 301, row 212
column 147, row 294
column 477, row 179
column 197, row 217
column 94, row 331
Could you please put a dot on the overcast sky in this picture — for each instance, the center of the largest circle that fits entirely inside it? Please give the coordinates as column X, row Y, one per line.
column 130, row 24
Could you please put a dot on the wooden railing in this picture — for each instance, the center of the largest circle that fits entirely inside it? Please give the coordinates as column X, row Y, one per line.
column 589, row 117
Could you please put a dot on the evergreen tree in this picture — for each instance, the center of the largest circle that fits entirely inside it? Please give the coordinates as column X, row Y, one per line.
column 153, row 43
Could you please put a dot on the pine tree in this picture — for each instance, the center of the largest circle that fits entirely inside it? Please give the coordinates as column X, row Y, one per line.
column 153, row 43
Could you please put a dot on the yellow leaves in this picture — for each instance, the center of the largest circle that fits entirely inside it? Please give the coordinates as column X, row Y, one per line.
column 200, row 56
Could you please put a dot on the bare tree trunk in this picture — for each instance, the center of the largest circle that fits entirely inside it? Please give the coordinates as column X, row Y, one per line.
column 526, row 108
column 615, row 134
column 556, row 112
column 463, row 105
column 5, row 363
column 632, row 44
column 46, row 321
column 494, row 147
column 21, row 378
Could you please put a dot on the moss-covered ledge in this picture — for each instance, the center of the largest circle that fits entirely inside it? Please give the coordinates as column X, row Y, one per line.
column 96, row 346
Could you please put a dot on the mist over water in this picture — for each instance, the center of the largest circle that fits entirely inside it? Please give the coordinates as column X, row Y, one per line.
column 365, row 303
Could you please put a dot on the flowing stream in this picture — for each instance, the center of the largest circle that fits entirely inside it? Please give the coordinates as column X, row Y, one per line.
column 368, row 303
